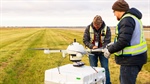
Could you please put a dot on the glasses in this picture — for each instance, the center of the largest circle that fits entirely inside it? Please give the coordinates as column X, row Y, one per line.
column 113, row 11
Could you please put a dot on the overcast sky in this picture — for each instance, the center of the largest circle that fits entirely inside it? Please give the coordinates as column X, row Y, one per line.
column 63, row 12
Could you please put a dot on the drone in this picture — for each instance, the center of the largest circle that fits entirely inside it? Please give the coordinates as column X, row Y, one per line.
column 75, row 51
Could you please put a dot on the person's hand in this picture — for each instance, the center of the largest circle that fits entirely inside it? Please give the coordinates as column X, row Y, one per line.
column 95, row 47
column 106, row 53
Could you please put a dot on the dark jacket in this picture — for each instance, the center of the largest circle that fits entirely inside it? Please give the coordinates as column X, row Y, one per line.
column 126, row 29
column 86, row 37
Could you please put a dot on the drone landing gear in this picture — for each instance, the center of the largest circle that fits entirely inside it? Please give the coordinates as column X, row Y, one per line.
column 78, row 64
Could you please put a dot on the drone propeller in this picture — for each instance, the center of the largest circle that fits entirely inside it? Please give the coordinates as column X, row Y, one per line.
column 43, row 48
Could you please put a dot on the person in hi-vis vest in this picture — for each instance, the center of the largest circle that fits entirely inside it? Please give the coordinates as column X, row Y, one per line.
column 97, row 35
column 129, row 48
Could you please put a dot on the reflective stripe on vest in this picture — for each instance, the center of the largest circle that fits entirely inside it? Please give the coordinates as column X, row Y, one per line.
column 138, row 43
column 103, row 31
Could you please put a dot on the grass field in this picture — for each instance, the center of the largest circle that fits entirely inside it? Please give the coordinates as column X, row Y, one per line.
column 21, row 65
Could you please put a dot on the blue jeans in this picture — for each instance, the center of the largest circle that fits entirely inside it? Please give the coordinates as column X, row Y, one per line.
column 128, row 73
column 93, row 59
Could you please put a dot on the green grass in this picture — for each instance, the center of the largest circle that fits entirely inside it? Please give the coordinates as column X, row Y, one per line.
column 21, row 65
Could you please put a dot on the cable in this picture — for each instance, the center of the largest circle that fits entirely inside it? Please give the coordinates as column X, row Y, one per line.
column 92, row 66
column 59, row 64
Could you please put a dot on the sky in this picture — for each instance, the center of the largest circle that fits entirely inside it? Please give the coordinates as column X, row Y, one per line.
column 63, row 12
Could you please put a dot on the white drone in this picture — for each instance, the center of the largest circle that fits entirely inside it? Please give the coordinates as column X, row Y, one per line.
column 75, row 52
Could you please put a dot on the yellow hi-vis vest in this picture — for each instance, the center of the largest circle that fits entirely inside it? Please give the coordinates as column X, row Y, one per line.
column 103, row 34
column 138, row 43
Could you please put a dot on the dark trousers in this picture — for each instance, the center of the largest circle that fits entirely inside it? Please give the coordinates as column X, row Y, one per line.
column 128, row 73
column 93, row 59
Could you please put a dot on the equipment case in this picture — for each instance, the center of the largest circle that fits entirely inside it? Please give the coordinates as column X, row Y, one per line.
column 68, row 74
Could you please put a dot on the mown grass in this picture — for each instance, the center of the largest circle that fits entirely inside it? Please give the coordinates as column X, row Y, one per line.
column 19, row 64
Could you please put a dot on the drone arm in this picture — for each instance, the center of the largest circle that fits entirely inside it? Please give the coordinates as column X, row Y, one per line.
column 47, row 51
column 95, row 50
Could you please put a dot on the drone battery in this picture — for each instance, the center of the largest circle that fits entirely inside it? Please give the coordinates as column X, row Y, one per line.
column 68, row 74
